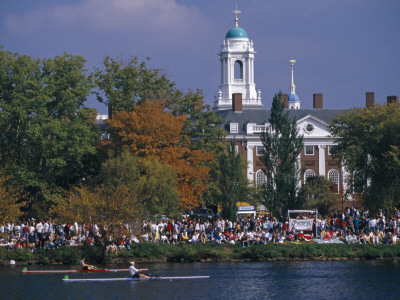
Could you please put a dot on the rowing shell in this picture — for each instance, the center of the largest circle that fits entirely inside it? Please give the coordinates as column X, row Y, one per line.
column 135, row 279
column 76, row 271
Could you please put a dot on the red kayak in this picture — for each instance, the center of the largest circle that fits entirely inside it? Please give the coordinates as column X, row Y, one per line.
column 25, row 271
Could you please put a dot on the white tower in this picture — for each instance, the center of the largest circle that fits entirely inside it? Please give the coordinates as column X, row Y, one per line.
column 237, row 70
column 293, row 100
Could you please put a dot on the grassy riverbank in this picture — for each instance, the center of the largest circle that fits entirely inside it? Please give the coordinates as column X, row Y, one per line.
column 149, row 252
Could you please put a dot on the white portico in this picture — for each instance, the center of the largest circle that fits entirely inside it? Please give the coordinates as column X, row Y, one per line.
column 237, row 70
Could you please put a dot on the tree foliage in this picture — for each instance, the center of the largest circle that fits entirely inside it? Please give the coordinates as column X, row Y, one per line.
column 151, row 183
column 368, row 146
column 282, row 144
column 10, row 201
column 233, row 186
column 150, row 132
column 47, row 138
column 202, row 125
column 122, row 85
column 125, row 190
column 317, row 193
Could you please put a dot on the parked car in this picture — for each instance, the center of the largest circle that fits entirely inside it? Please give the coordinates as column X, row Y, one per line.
column 202, row 213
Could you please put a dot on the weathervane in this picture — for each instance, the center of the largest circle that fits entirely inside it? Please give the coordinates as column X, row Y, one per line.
column 236, row 11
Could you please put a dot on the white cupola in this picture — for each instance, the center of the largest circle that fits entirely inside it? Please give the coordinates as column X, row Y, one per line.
column 237, row 70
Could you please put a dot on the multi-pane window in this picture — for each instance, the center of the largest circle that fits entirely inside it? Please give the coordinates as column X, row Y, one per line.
column 309, row 150
column 234, row 128
column 333, row 176
column 260, row 150
column 261, row 179
column 308, row 174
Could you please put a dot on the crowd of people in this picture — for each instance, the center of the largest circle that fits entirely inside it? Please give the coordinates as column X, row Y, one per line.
column 350, row 226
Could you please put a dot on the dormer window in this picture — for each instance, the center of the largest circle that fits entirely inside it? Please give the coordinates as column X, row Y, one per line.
column 234, row 128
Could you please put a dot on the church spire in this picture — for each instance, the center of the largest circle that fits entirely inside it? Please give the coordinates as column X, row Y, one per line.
column 236, row 12
column 293, row 100
column 292, row 86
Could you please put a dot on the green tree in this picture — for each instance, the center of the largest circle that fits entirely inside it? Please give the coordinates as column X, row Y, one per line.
column 202, row 125
column 282, row 144
column 121, row 85
column 233, row 186
column 48, row 139
column 151, row 183
column 368, row 146
column 317, row 193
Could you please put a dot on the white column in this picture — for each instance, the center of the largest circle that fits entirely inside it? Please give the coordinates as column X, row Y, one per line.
column 225, row 70
column 321, row 161
column 222, row 71
column 250, row 163
column 229, row 71
column 299, row 165
column 345, row 177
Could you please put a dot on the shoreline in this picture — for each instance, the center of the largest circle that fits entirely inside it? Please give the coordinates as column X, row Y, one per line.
column 207, row 253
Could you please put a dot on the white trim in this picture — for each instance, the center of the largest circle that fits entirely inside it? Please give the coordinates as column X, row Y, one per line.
column 265, row 177
column 305, row 149
column 234, row 127
column 263, row 150
column 321, row 160
column 331, row 171
column 309, row 171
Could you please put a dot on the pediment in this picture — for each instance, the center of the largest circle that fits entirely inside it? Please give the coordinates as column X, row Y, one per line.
column 310, row 126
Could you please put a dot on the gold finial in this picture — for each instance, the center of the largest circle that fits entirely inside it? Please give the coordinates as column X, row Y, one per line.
column 292, row 62
column 236, row 11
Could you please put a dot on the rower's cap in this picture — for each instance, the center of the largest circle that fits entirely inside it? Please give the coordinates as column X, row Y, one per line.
column 132, row 262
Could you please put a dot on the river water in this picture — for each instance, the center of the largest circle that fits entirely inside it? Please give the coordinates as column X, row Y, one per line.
column 229, row 280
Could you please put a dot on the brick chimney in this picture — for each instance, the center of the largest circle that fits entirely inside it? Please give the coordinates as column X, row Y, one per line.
column 317, row 101
column 237, row 102
column 284, row 99
column 392, row 99
column 369, row 99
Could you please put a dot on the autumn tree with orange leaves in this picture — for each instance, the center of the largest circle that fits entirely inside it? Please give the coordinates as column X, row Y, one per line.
column 152, row 133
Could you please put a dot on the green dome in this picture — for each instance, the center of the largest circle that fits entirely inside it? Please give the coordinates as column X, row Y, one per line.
column 236, row 32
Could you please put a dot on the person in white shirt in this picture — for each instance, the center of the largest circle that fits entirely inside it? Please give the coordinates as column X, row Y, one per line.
column 46, row 227
column 135, row 273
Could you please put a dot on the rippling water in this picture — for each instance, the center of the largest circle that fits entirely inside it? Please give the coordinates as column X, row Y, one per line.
column 230, row 280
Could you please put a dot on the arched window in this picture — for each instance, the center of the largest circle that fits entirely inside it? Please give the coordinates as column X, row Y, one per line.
column 333, row 176
column 238, row 70
column 308, row 174
column 261, row 179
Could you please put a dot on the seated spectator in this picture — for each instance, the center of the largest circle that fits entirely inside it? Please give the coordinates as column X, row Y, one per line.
column 174, row 238
column 300, row 236
column 145, row 237
column 245, row 240
column 195, row 237
column 290, row 237
column 185, row 237
column 113, row 249
column 202, row 237
column 164, row 238
column 263, row 239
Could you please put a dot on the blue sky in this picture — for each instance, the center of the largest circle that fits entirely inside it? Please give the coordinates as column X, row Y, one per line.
column 343, row 48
